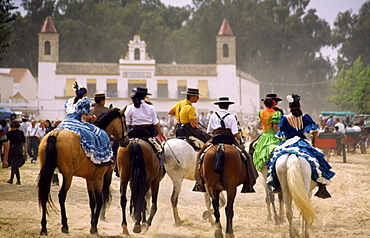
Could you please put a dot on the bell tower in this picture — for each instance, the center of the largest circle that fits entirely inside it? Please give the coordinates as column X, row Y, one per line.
column 48, row 42
column 225, row 45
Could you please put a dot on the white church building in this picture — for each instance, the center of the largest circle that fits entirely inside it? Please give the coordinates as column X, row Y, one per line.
column 164, row 81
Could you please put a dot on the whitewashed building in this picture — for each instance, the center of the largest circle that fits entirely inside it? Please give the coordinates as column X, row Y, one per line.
column 18, row 90
column 164, row 81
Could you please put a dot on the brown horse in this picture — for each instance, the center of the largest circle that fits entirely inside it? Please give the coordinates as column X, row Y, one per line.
column 139, row 165
column 231, row 172
column 61, row 149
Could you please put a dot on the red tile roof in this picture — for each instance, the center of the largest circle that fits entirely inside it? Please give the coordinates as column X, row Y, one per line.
column 16, row 74
column 225, row 29
column 48, row 26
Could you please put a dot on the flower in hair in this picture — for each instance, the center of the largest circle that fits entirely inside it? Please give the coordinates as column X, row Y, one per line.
column 289, row 98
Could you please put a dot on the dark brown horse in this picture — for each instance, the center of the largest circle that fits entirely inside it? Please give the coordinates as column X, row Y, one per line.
column 231, row 172
column 61, row 149
column 139, row 165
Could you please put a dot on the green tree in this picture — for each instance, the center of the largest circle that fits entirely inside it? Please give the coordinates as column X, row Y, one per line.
column 6, row 19
column 351, row 88
column 351, row 34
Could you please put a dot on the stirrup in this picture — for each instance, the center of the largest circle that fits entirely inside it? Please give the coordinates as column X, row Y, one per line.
column 323, row 194
column 199, row 188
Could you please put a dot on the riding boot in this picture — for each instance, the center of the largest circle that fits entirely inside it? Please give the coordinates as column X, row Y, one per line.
column 322, row 192
column 277, row 189
column 251, row 174
column 199, row 183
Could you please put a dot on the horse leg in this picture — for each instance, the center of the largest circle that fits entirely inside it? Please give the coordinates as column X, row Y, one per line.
column 153, row 208
column 62, row 199
column 44, row 230
column 231, row 193
column 208, row 214
column 106, row 192
column 94, row 188
column 281, row 208
column 123, row 202
column 215, row 195
column 177, row 183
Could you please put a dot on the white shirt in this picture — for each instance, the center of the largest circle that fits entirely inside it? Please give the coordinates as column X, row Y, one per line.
column 37, row 131
column 341, row 128
column 24, row 126
column 143, row 115
column 356, row 128
column 215, row 122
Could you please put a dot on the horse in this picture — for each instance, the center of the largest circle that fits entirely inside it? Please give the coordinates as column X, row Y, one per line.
column 61, row 149
column 294, row 174
column 223, row 169
column 270, row 200
column 179, row 159
column 138, row 164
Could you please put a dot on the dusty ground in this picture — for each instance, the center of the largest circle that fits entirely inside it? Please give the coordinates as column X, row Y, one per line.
column 347, row 214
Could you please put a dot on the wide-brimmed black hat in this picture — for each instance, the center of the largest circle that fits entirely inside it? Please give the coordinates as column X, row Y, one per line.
column 274, row 97
column 224, row 100
column 141, row 90
column 100, row 96
column 192, row 91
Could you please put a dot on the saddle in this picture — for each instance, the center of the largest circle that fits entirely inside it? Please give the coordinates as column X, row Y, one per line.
column 184, row 134
column 145, row 136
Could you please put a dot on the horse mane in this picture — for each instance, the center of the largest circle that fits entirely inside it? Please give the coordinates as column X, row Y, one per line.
column 106, row 117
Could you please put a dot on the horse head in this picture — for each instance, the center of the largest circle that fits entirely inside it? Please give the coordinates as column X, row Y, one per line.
column 113, row 122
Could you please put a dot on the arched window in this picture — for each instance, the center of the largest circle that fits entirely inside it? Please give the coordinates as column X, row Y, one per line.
column 225, row 50
column 137, row 54
column 47, row 49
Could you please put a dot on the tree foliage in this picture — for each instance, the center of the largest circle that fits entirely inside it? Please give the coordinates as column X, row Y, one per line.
column 351, row 88
column 352, row 33
column 6, row 19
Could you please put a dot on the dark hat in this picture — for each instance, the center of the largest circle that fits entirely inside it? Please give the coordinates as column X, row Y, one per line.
column 192, row 91
column 141, row 90
column 100, row 96
column 274, row 97
column 223, row 100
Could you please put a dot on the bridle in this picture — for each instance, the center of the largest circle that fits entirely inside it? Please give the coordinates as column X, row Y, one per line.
column 124, row 140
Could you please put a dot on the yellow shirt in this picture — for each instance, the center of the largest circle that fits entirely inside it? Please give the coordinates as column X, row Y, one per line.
column 186, row 109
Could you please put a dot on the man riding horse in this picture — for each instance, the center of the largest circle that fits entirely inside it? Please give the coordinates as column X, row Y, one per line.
column 223, row 123
column 186, row 117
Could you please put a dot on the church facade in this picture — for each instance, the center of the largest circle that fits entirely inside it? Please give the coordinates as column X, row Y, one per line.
column 136, row 68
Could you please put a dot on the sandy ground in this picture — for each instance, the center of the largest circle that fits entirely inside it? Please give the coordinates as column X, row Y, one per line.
column 347, row 214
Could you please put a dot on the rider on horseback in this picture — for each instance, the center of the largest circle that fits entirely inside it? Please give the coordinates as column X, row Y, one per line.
column 185, row 114
column 94, row 140
column 141, row 115
column 293, row 128
column 223, row 123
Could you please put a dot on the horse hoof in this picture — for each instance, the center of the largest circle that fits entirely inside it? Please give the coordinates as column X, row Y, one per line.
column 93, row 231
column 229, row 235
column 218, row 233
column 125, row 230
column 145, row 226
column 44, row 233
column 206, row 215
column 137, row 229
column 65, row 230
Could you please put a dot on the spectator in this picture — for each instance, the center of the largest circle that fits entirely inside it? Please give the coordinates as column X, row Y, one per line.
column 24, row 125
column 4, row 125
column 48, row 126
column 33, row 135
column 340, row 126
column 4, row 147
column 356, row 127
column 17, row 151
column 330, row 121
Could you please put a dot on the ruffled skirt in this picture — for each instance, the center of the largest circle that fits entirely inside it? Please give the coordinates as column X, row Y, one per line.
column 94, row 141
column 321, row 172
column 265, row 145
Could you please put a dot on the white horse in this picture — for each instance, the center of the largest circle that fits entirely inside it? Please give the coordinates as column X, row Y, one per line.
column 179, row 162
column 270, row 200
column 294, row 174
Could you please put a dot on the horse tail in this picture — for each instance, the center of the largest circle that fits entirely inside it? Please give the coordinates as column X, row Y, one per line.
column 218, row 164
column 138, row 180
column 46, row 174
column 297, row 189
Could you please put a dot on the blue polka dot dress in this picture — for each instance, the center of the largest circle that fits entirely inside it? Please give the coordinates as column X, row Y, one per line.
column 94, row 141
